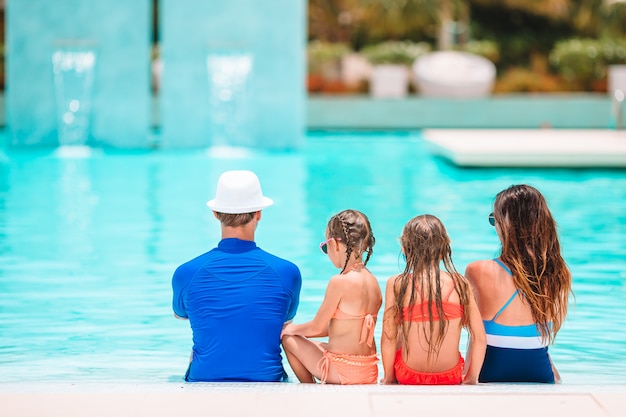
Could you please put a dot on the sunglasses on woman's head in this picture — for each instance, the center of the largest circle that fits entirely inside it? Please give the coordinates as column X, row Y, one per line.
column 492, row 219
column 324, row 244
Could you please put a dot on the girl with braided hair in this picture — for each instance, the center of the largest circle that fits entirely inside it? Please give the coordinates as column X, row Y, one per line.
column 523, row 293
column 425, row 310
column 347, row 315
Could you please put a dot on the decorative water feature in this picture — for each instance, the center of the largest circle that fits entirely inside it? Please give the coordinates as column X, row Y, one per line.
column 73, row 68
column 617, row 110
column 230, row 112
column 617, row 88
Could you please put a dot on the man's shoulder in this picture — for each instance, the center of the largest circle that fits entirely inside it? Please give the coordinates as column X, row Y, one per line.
column 195, row 263
column 275, row 258
column 279, row 264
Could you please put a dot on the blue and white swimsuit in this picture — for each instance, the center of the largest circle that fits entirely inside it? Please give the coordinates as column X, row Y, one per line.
column 514, row 353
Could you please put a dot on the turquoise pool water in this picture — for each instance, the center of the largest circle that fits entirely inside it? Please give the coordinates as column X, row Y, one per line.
column 88, row 246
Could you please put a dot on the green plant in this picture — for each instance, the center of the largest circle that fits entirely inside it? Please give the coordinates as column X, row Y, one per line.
column 586, row 60
column 613, row 51
column 324, row 54
column 485, row 48
column 395, row 52
column 524, row 80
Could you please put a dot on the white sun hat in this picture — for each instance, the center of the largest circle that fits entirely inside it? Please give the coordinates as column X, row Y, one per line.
column 239, row 192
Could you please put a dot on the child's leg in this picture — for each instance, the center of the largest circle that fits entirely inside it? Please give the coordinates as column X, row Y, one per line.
column 303, row 356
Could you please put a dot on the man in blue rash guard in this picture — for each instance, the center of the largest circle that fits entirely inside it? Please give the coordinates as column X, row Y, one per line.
column 237, row 297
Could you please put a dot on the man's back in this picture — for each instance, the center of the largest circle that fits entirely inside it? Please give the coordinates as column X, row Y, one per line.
column 237, row 298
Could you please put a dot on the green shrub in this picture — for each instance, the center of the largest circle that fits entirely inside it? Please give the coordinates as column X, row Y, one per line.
column 614, row 51
column 485, row 48
column 395, row 52
column 322, row 54
column 525, row 80
column 586, row 60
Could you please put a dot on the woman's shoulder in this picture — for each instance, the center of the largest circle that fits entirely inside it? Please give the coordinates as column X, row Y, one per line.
column 478, row 272
column 479, row 266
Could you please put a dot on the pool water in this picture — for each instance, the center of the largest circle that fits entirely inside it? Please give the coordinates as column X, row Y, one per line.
column 88, row 245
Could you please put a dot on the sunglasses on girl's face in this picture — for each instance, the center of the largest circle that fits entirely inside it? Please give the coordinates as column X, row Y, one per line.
column 492, row 219
column 324, row 244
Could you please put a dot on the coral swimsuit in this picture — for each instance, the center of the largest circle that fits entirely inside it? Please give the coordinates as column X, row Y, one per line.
column 407, row 376
column 353, row 369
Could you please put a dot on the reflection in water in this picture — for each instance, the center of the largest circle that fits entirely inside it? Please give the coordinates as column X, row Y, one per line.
column 153, row 211
column 229, row 96
column 73, row 70
column 4, row 192
column 76, row 206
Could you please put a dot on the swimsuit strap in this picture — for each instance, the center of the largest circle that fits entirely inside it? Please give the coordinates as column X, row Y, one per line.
column 342, row 315
column 505, row 305
column 506, row 268
column 367, row 331
column 442, row 298
column 449, row 292
column 323, row 364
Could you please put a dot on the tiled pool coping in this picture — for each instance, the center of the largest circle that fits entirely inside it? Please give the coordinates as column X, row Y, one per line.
column 563, row 110
column 506, row 111
column 291, row 399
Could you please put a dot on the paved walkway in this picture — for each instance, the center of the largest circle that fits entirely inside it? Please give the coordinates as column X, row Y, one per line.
column 291, row 399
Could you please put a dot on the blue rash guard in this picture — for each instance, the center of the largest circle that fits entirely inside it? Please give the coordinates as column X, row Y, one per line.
column 237, row 298
column 514, row 353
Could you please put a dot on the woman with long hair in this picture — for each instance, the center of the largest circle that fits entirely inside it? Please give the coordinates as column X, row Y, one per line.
column 425, row 310
column 523, row 293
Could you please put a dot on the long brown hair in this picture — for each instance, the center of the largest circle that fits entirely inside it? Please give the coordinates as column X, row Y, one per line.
column 355, row 231
column 531, row 249
column 426, row 245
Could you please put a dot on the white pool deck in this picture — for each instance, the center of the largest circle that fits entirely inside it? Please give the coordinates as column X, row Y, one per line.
column 565, row 148
column 302, row 400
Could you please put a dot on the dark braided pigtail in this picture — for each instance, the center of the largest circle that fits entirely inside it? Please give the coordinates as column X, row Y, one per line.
column 347, row 240
column 353, row 229
column 367, row 245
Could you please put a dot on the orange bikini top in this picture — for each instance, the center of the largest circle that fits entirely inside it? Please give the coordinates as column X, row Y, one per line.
column 420, row 311
column 369, row 322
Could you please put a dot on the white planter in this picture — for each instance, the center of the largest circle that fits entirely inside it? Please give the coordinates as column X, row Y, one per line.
column 389, row 81
column 454, row 74
column 616, row 79
column 616, row 87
